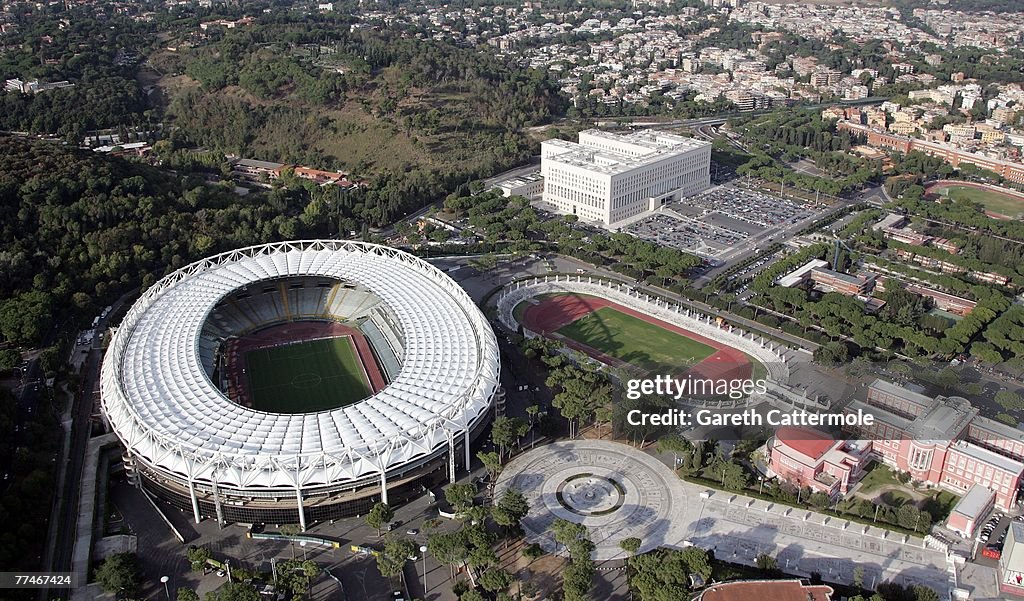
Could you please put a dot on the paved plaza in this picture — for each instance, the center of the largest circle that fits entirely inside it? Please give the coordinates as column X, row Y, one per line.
column 618, row 492
column 615, row 491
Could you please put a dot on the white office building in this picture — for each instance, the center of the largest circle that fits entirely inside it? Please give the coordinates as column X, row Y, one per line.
column 608, row 178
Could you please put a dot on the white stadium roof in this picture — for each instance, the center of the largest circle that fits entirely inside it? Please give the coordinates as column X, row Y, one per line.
column 160, row 401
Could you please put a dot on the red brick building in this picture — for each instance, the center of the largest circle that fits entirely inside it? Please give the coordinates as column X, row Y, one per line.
column 940, row 441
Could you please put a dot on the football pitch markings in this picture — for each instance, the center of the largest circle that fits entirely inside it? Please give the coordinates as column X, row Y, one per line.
column 640, row 343
column 308, row 376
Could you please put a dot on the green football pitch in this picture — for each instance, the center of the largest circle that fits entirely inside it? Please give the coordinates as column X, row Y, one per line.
column 635, row 341
column 306, row 376
column 993, row 200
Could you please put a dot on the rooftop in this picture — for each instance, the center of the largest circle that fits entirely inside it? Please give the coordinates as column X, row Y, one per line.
column 809, row 442
column 989, row 457
column 944, row 420
column 797, row 275
column 767, row 590
column 611, row 154
column 974, row 502
column 902, row 392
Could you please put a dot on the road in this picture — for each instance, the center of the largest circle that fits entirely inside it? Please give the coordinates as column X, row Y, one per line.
column 61, row 548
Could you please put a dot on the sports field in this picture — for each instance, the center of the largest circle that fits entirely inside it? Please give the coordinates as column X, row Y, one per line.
column 635, row 341
column 306, row 376
column 993, row 200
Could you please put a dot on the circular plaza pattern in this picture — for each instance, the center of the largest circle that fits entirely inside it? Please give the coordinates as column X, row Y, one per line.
column 614, row 490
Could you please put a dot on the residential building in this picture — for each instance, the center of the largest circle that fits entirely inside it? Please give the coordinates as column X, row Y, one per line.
column 1011, row 170
column 607, row 178
column 254, row 168
column 35, row 86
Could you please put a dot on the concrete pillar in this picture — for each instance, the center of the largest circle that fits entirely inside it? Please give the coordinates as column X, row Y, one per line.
column 302, row 510
column 466, row 438
column 383, row 487
column 195, row 501
column 216, row 503
column 451, row 458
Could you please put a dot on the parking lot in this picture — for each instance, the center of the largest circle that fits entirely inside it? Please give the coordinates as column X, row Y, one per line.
column 686, row 233
column 723, row 222
column 748, row 206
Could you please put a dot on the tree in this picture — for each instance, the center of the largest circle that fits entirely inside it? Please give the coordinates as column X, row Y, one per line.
column 119, row 574
column 187, row 594
column 664, row 574
column 533, row 551
column 396, row 552
column 510, row 509
column 494, row 580
column 675, row 444
column 460, row 496
column 197, row 557
column 532, row 412
column 234, row 591
column 505, row 431
column 577, row 578
column 630, row 545
column 1009, row 400
column 379, row 515
column 766, row 563
column 858, row 577
column 9, row 359
column 492, row 463
column 451, row 548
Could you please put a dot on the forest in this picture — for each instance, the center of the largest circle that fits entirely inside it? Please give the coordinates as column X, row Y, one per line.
column 79, row 229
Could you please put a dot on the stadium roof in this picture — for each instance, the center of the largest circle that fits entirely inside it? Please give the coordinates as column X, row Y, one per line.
column 161, row 402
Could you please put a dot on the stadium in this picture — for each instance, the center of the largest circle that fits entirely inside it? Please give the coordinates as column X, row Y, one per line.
column 639, row 335
column 299, row 382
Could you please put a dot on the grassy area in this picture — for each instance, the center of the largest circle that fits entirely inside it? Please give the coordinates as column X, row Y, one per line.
column 635, row 341
column 997, row 202
column 306, row 376
column 880, row 475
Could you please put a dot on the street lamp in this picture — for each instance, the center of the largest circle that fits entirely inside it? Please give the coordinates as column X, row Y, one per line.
column 423, row 553
column 167, row 591
column 303, row 545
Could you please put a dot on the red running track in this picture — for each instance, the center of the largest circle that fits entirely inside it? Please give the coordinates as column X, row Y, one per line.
column 548, row 315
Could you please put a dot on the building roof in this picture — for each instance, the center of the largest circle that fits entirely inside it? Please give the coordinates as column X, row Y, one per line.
column 989, row 457
column 767, row 590
column 1001, row 430
column 890, row 220
column 812, row 443
column 977, row 500
column 903, row 392
column 944, row 420
column 629, row 151
column 881, row 414
column 1013, row 550
column 797, row 275
column 836, row 275
column 159, row 399
column 253, row 163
